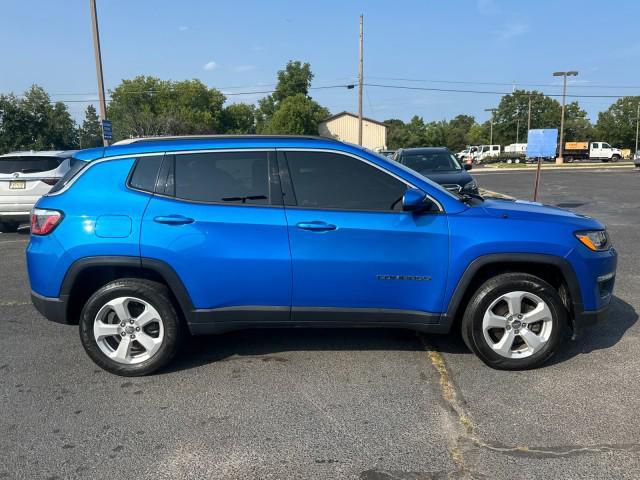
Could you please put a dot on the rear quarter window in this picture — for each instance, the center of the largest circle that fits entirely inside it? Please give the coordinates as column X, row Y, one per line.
column 75, row 167
column 145, row 173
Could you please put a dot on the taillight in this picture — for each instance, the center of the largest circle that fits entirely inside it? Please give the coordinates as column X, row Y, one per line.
column 44, row 221
column 50, row 181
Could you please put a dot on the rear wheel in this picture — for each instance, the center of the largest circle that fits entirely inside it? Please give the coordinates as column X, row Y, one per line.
column 130, row 327
column 514, row 321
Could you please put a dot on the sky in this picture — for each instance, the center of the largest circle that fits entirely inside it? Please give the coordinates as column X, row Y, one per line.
column 238, row 47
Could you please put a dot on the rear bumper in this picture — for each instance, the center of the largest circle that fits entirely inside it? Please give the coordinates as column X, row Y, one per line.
column 54, row 309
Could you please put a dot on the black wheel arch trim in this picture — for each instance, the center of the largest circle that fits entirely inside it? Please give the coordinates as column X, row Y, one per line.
column 500, row 258
column 164, row 270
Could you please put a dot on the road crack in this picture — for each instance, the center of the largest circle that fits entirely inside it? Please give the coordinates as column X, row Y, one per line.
column 468, row 437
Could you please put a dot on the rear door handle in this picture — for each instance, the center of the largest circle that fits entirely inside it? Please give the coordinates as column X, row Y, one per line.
column 316, row 226
column 173, row 220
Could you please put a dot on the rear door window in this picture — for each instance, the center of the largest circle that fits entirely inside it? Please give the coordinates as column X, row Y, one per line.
column 29, row 164
column 223, row 177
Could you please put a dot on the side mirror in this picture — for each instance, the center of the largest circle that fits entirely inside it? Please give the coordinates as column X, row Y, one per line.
column 468, row 166
column 415, row 200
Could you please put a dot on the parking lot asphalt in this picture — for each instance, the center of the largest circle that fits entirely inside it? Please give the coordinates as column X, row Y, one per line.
column 367, row 404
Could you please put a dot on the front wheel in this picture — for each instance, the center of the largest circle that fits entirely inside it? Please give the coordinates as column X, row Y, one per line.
column 514, row 321
column 130, row 327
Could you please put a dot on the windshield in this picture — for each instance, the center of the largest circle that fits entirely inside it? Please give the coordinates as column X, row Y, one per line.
column 432, row 162
column 28, row 164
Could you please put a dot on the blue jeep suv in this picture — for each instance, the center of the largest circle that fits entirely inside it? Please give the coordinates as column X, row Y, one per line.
column 149, row 240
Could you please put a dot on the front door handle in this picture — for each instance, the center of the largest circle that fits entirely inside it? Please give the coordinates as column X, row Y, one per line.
column 316, row 226
column 173, row 220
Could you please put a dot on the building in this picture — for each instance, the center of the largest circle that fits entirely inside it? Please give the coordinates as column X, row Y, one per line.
column 344, row 126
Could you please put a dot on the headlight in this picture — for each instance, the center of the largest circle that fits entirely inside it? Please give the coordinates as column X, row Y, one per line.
column 596, row 240
column 472, row 186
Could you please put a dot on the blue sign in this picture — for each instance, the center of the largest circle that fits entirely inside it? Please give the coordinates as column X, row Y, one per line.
column 107, row 132
column 542, row 142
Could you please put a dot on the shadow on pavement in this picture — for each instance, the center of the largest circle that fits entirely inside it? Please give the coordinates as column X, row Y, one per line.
column 603, row 335
column 267, row 343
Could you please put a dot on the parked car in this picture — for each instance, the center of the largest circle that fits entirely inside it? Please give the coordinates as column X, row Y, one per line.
column 387, row 153
column 439, row 165
column 24, row 178
column 636, row 159
column 150, row 239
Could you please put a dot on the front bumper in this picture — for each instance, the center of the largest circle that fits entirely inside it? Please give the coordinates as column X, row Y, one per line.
column 585, row 319
column 54, row 309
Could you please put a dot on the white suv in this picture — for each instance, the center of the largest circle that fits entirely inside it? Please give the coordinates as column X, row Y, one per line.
column 24, row 178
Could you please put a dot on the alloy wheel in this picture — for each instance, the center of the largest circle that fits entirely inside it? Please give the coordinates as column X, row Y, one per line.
column 517, row 324
column 128, row 330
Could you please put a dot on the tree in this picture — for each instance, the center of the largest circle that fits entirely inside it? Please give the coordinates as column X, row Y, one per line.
column 90, row 134
column 617, row 125
column 397, row 134
column 295, row 79
column 32, row 122
column 147, row 106
column 457, row 132
column 296, row 115
column 510, row 120
column 239, row 118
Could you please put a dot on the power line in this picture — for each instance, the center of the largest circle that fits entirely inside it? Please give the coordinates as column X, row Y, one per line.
column 508, row 84
column 487, row 92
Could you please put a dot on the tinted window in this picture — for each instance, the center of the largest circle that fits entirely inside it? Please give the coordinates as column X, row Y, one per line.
column 145, row 173
column 76, row 166
column 28, row 164
column 334, row 181
column 431, row 162
column 225, row 177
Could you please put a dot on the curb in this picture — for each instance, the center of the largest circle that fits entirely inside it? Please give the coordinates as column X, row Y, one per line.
column 603, row 166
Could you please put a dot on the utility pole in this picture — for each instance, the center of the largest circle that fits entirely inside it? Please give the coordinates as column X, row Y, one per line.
column 529, row 116
column 493, row 111
column 637, row 120
column 518, row 131
column 560, row 158
column 98, row 57
column 360, row 79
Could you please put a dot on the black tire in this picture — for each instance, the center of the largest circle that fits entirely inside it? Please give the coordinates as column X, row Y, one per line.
column 158, row 296
column 615, row 158
column 488, row 293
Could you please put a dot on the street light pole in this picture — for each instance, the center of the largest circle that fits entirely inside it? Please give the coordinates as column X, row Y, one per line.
column 529, row 116
column 560, row 158
column 637, row 120
column 492, row 110
column 98, row 57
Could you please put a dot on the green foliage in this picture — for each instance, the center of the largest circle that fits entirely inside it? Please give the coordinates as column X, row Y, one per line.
column 296, row 115
column 454, row 134
column 293, row 80
column 239, row 118
column 617, row 125
column 90, row 133
column 510, row 120
column 147, row 106
column 33, row 123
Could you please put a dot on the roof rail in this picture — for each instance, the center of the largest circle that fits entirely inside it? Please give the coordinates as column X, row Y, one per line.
column 130, row 141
